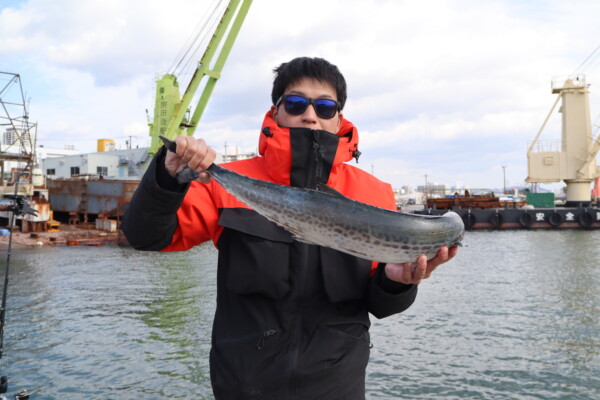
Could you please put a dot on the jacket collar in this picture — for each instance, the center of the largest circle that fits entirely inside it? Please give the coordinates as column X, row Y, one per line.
column 284, row 149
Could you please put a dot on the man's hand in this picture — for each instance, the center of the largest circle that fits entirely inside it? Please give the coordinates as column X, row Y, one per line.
column 414, row 273
column 191, row 152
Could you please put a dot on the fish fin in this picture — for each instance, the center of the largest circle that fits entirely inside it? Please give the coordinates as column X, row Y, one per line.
column 296, row 233
column 321, row 187
column 169, row 144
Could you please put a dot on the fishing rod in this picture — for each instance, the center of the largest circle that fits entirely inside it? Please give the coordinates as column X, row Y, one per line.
column 15, row 204
column 18, row 207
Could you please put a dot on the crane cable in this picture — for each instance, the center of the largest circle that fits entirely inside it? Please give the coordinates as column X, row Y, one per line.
column 577, row 71
column 586, row 60
column 197, row 41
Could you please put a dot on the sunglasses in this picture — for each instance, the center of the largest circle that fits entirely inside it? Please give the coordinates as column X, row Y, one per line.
column 297, row 105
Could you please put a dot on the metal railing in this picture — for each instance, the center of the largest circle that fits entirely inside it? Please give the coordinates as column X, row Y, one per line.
column 544, row 146
column 577, row 80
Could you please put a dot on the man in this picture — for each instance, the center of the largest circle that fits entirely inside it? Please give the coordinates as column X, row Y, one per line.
column 292, row 319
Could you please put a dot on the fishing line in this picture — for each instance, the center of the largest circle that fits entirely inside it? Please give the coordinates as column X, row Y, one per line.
column 19, row 207
column 6, row 276
column 4, row 379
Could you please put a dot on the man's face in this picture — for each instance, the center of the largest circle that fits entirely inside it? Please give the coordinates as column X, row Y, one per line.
column 313, row 89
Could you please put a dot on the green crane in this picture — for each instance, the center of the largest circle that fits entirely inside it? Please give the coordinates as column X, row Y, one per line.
column 171, row 111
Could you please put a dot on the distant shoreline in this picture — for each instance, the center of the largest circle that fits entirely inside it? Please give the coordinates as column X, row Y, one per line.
column 69, row 235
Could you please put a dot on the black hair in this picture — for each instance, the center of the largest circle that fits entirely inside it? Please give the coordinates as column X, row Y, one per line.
column 306, row 67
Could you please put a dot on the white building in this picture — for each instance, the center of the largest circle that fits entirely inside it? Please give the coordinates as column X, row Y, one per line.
column 118, row 164
column 19, row 139
column 435, row 190
column 42, row 152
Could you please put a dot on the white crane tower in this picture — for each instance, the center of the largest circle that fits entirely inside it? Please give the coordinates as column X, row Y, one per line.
column 575, row 161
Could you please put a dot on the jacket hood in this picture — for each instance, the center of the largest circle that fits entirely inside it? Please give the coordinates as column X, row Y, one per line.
column 277, row 148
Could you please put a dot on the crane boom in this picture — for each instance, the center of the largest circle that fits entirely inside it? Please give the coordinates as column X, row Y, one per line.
column 171, row 113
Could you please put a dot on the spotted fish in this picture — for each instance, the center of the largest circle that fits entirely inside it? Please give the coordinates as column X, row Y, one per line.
column 327, row 218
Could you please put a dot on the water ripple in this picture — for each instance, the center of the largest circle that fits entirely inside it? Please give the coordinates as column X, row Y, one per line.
column 515, row 316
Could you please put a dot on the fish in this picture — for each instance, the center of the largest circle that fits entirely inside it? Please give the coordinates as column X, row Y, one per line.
column 325, row 217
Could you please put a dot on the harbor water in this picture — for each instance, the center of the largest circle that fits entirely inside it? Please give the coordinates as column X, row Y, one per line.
column 515, row 316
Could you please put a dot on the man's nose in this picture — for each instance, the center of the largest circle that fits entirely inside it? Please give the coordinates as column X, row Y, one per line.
column 310, row 114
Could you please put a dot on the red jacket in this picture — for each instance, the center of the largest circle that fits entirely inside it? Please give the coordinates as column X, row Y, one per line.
column 199, row 214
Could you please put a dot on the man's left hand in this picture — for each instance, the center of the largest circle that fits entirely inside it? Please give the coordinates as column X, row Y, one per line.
column 414, row 273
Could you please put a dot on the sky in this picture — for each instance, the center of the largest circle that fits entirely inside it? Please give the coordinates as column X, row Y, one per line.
column 440, row 90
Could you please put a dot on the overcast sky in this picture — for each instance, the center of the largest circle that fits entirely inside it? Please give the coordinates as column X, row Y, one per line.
column 449, row 89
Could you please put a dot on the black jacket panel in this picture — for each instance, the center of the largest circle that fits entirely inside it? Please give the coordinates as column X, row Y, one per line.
column 292, row 318
column 276, row 333
column 150, row 218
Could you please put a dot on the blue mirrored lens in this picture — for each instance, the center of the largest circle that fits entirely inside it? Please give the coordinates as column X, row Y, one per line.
column 325, row 108
column 296, row 105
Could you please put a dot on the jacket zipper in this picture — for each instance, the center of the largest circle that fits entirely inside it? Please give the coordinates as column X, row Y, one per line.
column 295, row 380
column 319, row 156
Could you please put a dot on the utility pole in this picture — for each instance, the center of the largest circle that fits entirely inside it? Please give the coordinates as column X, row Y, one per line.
column 504, row 177
column 426, row 187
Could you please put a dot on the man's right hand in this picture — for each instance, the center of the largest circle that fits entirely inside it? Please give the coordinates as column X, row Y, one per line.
column 191, row 152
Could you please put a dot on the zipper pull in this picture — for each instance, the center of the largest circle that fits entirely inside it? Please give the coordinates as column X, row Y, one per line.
column 261, row 342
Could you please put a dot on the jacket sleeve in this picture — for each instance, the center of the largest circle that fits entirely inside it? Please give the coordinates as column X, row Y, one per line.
column 386, row 297
column 150, row 219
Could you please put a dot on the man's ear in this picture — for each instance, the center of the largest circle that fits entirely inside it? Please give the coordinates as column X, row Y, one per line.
column 274, row 112
column 340, row 120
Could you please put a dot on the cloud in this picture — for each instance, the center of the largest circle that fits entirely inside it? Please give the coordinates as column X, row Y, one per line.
column 452, row 89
